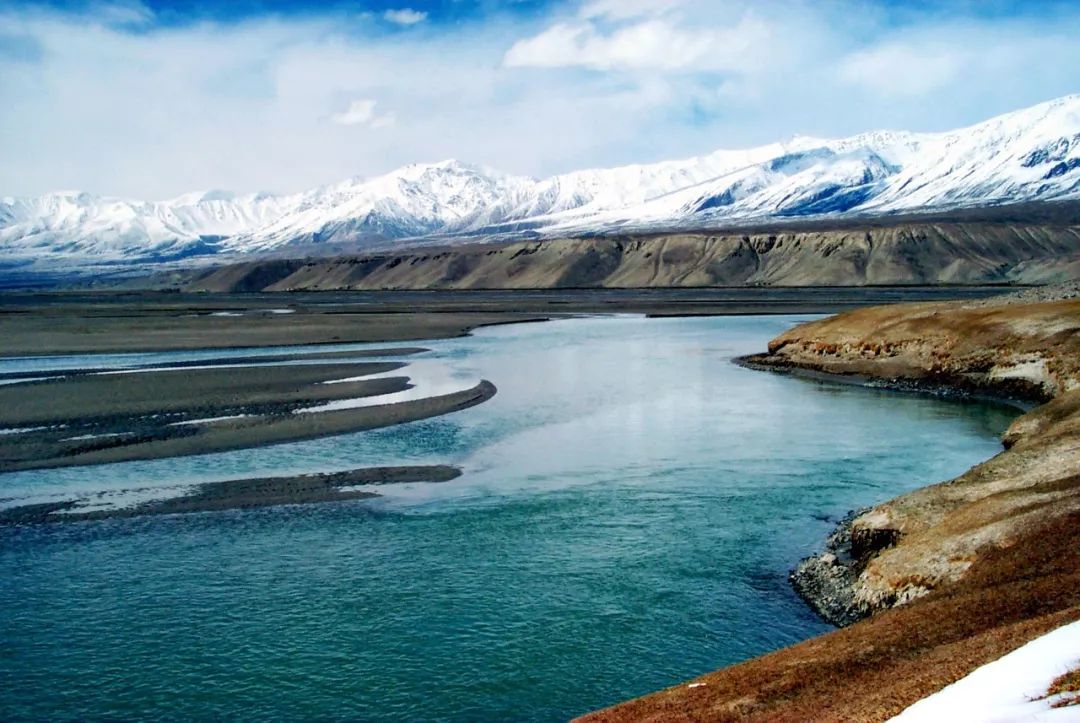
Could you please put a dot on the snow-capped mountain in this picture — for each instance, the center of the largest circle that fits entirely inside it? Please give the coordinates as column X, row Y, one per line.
column 1032, row 154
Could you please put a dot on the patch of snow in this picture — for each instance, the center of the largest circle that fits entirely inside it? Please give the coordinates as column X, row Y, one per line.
column 20, row 430
column 362, row 378
column 209, row 420
column 82, row 437
column 124, row 499
column 407, row 395
column 7, row 382
column 1012, row 688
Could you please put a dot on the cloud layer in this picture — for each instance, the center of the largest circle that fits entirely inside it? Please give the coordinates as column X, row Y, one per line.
column 361, row 112
column 113, row 100
column 405, row 16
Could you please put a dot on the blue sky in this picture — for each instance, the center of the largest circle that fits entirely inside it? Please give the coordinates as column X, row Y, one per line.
column 154, row 98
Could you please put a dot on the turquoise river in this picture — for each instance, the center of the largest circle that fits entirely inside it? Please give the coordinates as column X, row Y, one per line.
column 630, row 507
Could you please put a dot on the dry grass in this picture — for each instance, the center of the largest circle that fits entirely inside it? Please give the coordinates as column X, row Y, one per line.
column 1066, row 684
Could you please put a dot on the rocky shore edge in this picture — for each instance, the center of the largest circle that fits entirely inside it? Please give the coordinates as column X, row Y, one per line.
column 1018, row 352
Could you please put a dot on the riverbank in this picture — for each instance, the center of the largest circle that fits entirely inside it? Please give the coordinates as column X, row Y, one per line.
column 946, row 578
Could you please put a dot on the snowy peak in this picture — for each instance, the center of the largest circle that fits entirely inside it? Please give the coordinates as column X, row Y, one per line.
column 1030, row 154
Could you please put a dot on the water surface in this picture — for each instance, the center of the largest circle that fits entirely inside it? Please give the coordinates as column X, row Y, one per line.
column 631, row 505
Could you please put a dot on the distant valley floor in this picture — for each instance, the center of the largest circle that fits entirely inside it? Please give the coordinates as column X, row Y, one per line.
column 111, row 321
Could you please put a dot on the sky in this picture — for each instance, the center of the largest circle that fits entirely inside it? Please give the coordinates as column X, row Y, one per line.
column 150, row 99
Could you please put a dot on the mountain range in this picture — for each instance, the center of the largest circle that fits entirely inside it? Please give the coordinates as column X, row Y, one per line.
column 1028, row 155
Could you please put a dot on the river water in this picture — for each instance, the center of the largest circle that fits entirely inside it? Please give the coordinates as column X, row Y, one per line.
column 630, row 506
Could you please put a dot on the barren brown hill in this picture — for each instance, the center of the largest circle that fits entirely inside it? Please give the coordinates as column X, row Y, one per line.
column 903, row 253
column 951, row 576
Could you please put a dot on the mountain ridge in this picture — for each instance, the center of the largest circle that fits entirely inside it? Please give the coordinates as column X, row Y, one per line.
column 1027, row 155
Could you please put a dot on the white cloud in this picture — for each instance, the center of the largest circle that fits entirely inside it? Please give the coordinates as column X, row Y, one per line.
column 156, row 111
column 653, row 43
column 121, row 12
column 405, row 16
column 897, row 70
column 362, row 112
column 627, row 9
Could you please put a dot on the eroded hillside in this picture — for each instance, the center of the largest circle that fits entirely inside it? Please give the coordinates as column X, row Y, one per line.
column 922, row 253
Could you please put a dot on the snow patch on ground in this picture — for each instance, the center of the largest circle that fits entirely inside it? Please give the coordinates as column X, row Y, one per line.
column 20, row 430
column 24, row 380
column 83, row 437
column 208, row 420
column 1012, row 688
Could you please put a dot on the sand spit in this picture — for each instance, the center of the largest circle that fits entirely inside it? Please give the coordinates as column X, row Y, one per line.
column 95, row 418
column 224, row 432
column 231, row 494
column 220, row 362
column 944, row 579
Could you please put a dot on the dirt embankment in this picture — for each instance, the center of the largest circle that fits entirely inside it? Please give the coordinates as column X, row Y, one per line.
column 940, row 581
column 904, row 253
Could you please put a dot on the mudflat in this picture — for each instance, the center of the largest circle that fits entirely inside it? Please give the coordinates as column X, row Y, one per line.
column 231, row 494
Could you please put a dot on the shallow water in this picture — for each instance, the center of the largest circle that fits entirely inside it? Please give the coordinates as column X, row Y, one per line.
column 630, row 507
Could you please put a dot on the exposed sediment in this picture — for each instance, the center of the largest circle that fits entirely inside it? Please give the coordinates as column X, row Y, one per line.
column 46, row 448
column 230, row 494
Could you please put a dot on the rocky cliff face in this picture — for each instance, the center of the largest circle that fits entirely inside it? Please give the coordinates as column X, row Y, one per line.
column 910, row 253
column 905, row 548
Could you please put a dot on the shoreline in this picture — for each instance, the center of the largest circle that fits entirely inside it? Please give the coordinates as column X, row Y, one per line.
column 937, row 582
column 940, row 389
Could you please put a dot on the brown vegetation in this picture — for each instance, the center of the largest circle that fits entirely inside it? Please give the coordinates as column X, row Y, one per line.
column 1067, row 685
